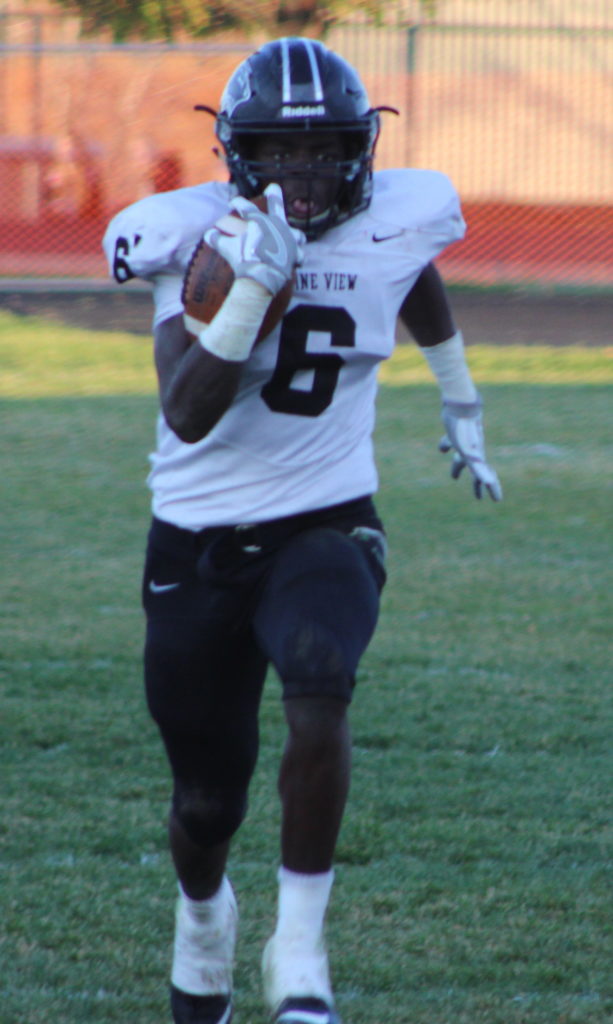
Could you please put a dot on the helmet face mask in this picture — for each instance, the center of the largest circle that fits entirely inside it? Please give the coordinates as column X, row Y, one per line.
column 294, row 112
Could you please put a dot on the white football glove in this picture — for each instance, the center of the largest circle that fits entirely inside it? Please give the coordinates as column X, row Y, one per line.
column 268, row 250
column 464, row 426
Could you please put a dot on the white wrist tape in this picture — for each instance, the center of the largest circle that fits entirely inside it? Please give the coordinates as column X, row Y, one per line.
column 448, row 364
column 234, row 328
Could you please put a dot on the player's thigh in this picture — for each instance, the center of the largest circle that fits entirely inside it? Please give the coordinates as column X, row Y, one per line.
column 204, row 671
column 318, row 612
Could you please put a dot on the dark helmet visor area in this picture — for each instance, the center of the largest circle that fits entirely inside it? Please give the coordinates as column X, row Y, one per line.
column 347, row 175
column 308, row 179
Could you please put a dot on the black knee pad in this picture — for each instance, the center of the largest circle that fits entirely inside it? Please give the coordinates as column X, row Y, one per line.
column 209, row 818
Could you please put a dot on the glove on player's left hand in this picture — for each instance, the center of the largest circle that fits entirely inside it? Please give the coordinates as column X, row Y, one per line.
column 464, row 426
column 268, row 250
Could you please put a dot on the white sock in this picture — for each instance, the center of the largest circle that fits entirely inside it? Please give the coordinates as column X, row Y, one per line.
column 295, row 961
column 205, row 936
column 303, row 901
column 205, row 911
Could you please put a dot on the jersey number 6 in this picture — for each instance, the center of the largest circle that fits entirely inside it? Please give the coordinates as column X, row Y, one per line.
column 293, row 359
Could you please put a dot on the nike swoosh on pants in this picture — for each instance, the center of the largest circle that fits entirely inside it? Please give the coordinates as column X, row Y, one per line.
column 161, row 588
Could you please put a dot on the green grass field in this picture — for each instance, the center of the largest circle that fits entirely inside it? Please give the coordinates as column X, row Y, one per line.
column 474, row 867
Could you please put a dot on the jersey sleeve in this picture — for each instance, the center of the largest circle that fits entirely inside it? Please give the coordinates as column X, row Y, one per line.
column 157, row 235
column 154, row 238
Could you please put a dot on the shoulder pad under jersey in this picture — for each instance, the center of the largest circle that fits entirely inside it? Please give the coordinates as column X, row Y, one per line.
column 416, row 200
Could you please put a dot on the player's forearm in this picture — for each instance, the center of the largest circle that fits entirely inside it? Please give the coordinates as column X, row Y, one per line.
column 427, row 314
column 196, row 387
column 199, row 395
column 198, row 383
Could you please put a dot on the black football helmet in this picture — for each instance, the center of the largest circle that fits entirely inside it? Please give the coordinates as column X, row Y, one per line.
column 299, row 85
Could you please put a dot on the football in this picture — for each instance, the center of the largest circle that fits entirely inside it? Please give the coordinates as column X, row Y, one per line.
column 209, row 277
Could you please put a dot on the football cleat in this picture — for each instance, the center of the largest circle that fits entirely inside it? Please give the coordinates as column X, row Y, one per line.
column 306, row 1010
column 188, row 1009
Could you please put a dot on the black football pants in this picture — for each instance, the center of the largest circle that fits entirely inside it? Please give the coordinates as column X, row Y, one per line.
column 300, row 593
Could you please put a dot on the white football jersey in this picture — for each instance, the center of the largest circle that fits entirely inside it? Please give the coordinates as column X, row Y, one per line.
column 298, row 435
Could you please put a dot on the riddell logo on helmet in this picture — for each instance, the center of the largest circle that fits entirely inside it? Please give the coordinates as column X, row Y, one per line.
column 303, row 111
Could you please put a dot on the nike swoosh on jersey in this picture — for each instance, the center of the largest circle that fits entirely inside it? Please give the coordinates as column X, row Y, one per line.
column 386, row 238
column 162, row 588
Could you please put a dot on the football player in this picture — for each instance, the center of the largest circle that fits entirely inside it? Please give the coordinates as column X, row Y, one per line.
column 265, row 546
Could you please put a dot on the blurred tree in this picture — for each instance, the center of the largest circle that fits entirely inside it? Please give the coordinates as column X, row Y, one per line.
column 176, row 19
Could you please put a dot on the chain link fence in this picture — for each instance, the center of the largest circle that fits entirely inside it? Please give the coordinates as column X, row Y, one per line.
column 513, row 101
